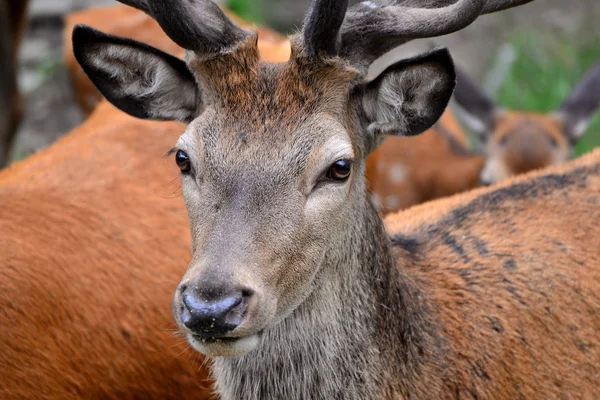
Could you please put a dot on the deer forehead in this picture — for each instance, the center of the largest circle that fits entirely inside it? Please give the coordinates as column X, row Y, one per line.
column 253, row 91
column 530, row 126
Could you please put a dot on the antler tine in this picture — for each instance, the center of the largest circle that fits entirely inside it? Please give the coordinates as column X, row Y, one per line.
column 198, row 25
column 322, row 27
column 371, row 29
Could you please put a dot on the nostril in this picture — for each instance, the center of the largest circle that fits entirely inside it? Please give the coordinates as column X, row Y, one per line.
column 214, row 317
column 484, row 182
column 182, row 288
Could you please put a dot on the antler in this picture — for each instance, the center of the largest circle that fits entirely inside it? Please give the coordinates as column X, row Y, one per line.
column 371, row 28
column 197, row 25
column 322, row 26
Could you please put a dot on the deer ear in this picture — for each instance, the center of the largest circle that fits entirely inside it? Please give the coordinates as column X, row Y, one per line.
column 477, row 109
column 409, row 96
column 578, row 109
column 138, row 79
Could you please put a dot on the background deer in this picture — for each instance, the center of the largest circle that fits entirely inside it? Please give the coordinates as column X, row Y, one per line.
column 12, row 22
column 517, row 142
column 87, row 272
column 295, row 289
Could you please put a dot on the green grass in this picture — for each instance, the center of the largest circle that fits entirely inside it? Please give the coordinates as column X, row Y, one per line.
column 250, row 10
column 543, row 74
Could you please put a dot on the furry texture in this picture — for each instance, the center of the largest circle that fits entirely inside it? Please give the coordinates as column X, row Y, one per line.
column 408, row 102
column 466, row 309
column 87, row 274
column 155, row 85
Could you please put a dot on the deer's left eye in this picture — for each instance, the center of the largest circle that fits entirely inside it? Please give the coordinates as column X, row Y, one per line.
column 339, row 170
column 183, row 161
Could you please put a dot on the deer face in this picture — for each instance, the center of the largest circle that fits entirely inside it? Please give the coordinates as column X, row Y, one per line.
column 521, row 143
column 273, row 157
column 518, row 142
column 271, row 183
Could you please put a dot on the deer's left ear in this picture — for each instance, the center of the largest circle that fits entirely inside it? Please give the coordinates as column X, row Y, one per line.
column 409, row 96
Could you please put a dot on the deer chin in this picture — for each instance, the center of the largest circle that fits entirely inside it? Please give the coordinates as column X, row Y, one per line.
column 224, row 347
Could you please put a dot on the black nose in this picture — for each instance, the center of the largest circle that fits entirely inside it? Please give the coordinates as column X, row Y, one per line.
column 214, row 317
column 484, row 182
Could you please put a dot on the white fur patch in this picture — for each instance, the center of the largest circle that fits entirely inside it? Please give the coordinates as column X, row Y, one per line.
column 397, row 173
column 370, row 4
column 392, row 202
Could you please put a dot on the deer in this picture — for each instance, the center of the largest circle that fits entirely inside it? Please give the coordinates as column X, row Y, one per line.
column 516, row 142
column 296, row 289
column 13, row 15
column 86, row 275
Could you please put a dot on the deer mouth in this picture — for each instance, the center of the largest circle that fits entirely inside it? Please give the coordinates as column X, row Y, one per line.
column 230, row 347
column 214, row 339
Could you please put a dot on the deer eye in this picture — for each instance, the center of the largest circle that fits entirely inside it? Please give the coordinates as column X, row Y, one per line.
column 183, row 161
column 339, row 170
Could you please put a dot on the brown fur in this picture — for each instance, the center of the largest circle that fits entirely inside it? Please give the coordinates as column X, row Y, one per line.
column 87, row 275
column 517, row 142
column 13, row 15
column 461, row 310
column 512, row 283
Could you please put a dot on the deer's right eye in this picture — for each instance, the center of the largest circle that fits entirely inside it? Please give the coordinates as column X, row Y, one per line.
column 183, row 161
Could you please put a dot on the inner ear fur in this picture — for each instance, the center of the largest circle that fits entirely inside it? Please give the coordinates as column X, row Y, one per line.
column 409, row 96
column 136, row 78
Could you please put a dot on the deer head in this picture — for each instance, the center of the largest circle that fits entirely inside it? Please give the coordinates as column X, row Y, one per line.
column 272, row 160
column 518, row 142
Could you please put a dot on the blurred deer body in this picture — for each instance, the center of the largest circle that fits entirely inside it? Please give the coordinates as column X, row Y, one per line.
column 517, row 142
column 12, row 22
column 405, row 171
column 295, row 289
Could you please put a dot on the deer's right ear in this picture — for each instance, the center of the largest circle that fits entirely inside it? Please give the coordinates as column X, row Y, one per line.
column 478, row 110
column 408, row 97
column 138, row 79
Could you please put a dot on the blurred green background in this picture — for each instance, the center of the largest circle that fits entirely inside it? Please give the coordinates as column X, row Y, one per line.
column 544, row 72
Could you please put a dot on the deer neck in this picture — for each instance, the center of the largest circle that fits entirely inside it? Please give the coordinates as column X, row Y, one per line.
column 359, row 335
